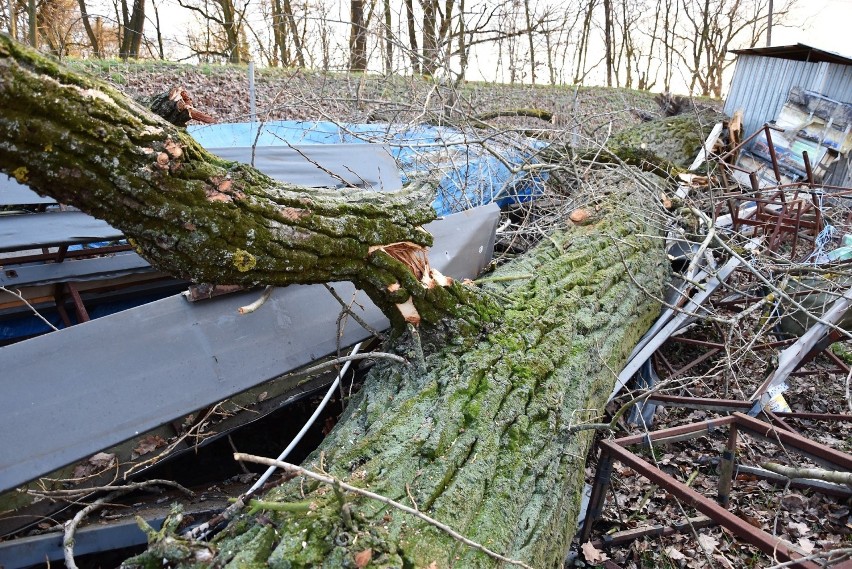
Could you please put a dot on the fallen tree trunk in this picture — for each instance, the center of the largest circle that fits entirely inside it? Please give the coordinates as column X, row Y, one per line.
column 481, row 437
column 480, row 432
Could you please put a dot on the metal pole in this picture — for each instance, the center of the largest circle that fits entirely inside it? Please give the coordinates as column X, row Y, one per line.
column 769, row 26
column 252, row 108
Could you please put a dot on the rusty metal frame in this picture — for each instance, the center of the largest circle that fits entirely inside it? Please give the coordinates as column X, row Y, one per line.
column 732, row 405
column 615, row 451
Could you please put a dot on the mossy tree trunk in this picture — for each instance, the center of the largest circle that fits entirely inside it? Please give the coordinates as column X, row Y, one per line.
column 197, row 216
column 478, row 434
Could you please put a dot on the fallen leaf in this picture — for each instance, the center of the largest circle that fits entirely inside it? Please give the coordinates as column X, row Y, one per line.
column 149, row 444
column 674, row 554
column 723, row 561
column 708, row 543
column 97, row 463
column 362, row 558
column 798, row 529
column 794, row 502
column 806, row 545
column 102, row 460
column 592, row 554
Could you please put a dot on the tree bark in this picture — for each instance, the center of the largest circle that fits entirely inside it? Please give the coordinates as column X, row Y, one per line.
column 294, row 32
column 357, row 36
column 414, row 51
column 133, row 29
column 479, row 431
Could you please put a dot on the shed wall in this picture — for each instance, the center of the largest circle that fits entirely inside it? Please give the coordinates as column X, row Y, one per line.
column 761, row 85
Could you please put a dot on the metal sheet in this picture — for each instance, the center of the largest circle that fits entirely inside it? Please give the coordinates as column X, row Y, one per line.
column 36, row 550
column 796, row 52
column 368, row 166
column 761, row 84
column 97, row 268
column 13, row 193
column 95, row 538
column 71, row 393
column 21, row 232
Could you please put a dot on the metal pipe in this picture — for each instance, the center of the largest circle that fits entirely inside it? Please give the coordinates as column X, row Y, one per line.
column 690, row 431
column 804, row 445
column 603, row 476
column 728, row 405
column 772, row 155
column 726, row 467
column 252, row 96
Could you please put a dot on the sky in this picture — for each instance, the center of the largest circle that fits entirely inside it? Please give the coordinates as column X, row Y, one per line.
column 824, row 24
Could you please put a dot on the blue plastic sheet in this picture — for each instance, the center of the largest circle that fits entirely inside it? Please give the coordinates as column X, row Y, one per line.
column 473, row 170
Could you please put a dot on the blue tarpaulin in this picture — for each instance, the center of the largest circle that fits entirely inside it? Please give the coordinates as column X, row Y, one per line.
column 474, row 169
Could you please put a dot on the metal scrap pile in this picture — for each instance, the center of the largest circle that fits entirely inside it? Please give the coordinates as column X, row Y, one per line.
column 751, row 349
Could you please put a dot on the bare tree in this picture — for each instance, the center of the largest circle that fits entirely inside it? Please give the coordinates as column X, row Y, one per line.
column 583, row 47
column 93, row 38
column 133, row 25
column 387, row 33
column 158, row 28
column 607, row 7
column 531, row 28
column 223, row 27
column 285, row 29
column 710, row 28
column 357, row 36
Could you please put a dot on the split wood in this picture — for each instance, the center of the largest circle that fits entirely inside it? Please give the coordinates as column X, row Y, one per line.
column 299, row 471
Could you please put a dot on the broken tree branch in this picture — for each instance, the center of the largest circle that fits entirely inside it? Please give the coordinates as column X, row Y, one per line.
column 814, row 473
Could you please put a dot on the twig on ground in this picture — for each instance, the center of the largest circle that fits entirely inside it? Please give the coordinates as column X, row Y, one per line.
column 20, row 297
column 365, row 356
column 813, row 473
column 195, row 431
column 72, row 493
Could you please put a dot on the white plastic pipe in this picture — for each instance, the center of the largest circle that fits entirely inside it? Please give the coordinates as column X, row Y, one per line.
column 262, row 480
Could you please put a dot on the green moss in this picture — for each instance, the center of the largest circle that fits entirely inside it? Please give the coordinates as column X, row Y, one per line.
column 250, row 553
column 842, row 351
column 668, row 140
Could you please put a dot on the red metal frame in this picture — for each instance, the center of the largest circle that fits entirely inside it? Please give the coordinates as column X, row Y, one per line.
column 614, row 450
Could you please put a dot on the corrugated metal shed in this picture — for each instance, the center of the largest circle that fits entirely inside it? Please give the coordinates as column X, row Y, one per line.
column 764, row 76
